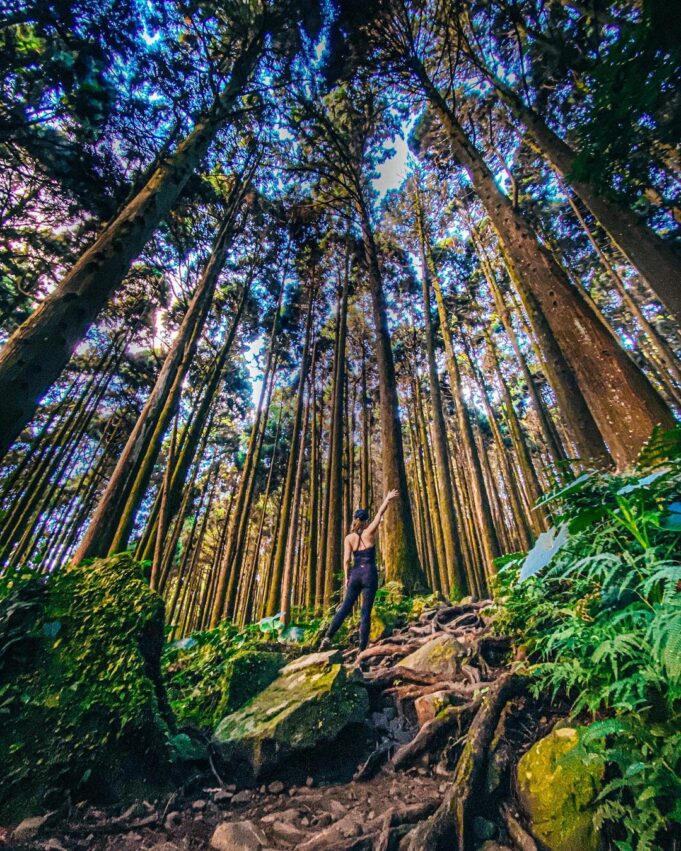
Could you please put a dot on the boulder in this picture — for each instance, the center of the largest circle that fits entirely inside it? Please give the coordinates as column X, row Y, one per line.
column 238, row 836
column 443, row 655
column 81, row 654
column 309, row 704
column 246, row 674
column 557, row 792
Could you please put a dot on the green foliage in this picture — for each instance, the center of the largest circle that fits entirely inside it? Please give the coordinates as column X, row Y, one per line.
column 200, row 670
column 602, row 624
column 79, row 662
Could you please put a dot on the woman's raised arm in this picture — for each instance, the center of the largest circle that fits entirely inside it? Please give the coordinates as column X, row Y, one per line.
column 381, row 511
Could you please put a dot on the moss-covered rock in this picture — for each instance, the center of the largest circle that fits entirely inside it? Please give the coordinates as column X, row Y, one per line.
column 557, row 792
column 247, row 673
column 83, row 707
column 209, row 674
column 443, row 655
column 311, row 701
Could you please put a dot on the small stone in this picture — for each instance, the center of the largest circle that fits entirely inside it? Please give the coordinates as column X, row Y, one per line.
column 276, row 788
column 29, row 828
column 263, row 789
column 323, row 820
column 54, row 845
column 222, row 797
column 172, row 819
column 484, row 829
column 282, row 815
column 309, row 782
column 133, row 837
column 337, row 809
column 442, row 788
column 199, row 806
column 372, row 815
column 242, row 798
column 230, row 787
column 422, row 772
column 292, row 791
column 238, row 836
column 350, row 826
column 305, row 821
column 289, row 832
column 198, row 817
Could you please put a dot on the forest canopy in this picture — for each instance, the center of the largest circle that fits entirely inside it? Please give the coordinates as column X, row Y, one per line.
column 264, row 261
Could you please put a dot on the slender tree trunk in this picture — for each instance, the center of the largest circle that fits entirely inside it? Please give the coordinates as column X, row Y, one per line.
column 624, row 404
column 292, row 547
column 313, row 504
column 334, row 528
column 490, row 545
column 112, row 520
column 38, row 351
column 455, row 572
column 400, row 556
column 274, row 599
column 553, row 444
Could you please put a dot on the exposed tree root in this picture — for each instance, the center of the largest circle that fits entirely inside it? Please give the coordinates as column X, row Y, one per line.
column 517, row 832
column 383, row 678
column 431, row 732
column 449, row 827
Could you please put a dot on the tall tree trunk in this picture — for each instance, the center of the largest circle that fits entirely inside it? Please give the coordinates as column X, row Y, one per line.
column 293, row 534
column 334, row 527
column 624, row 404
column 274, row 598
column 38, row 351
column 488, row 539
column 399, row 553
column 553, row 444
column 313, row 504
column 455, row 572
column 112, row 519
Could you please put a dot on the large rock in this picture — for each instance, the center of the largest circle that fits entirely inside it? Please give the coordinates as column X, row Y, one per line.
column 80, row 683
column 443, row 655
column 557, row 793
column 208, row 679
column 246, row 674
column 308, row 704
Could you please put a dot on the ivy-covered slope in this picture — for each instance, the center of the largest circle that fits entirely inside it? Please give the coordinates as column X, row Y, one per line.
column 82, row 708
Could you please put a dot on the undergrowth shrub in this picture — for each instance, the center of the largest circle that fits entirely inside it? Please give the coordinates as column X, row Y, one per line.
column 598, row 605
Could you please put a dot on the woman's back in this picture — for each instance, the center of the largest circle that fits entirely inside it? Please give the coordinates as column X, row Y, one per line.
column 361, row 540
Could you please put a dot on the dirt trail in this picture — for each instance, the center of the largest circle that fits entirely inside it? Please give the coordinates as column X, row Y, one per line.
column 432, row 766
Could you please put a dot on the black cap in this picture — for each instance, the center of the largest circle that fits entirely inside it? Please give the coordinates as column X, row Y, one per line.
column 361, row 514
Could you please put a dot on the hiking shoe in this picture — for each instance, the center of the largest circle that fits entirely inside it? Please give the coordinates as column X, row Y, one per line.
column 326, row 644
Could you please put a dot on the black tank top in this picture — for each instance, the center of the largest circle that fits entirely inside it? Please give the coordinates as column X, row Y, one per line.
column 365, row 556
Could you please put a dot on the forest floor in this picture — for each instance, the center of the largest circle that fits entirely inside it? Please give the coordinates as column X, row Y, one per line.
column 435, row 753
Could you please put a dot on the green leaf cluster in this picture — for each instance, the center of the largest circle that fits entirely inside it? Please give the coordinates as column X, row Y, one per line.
column 601, row 620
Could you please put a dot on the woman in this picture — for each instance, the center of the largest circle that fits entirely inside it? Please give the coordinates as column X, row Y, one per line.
column 363, row 578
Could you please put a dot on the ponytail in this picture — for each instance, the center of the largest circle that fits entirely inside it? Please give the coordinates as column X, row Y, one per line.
column 358, row 526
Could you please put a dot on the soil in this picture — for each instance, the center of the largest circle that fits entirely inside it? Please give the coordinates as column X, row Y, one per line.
column 392, row 782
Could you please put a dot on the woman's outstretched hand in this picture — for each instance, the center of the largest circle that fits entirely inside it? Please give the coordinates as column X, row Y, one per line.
column 392, row 494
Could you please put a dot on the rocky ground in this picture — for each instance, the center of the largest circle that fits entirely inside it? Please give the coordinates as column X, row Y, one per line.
column 432, row 721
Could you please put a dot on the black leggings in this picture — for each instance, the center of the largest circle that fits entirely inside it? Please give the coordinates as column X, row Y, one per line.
column 363, row 580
